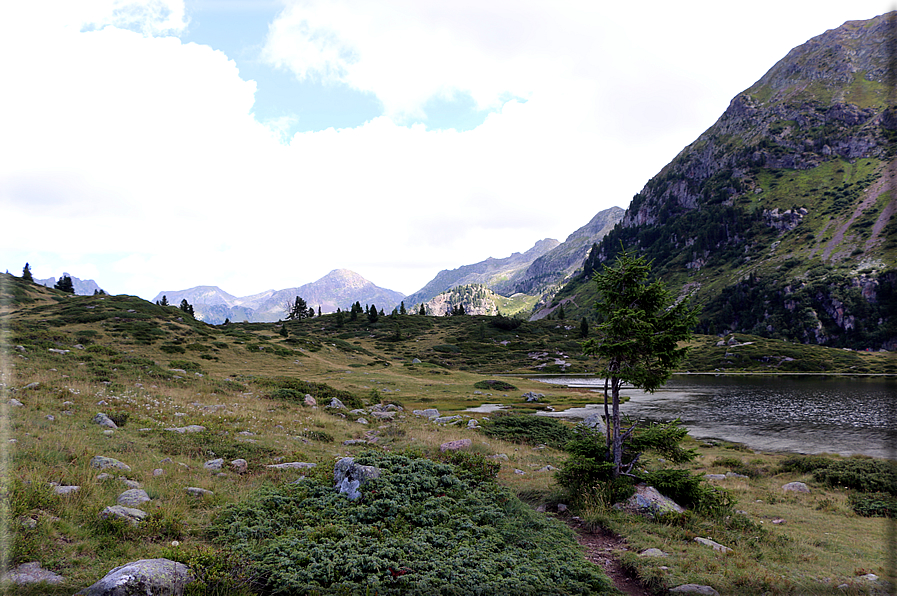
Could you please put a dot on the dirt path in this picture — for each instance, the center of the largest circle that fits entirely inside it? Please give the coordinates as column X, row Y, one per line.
column 600, row 549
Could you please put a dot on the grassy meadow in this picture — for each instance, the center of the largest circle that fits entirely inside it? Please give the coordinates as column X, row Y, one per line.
column 150, row 368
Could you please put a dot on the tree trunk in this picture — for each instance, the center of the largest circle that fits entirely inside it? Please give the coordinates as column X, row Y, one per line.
column 606, row 419
column 617, row 440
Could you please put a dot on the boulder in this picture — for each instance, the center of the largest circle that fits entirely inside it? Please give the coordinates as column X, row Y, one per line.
column 713, row 544
column 349, row 476
column 796, row 487
column 129, row 514
column 653, row 552
column 66, row 490
column 32, row 573
column 337, row 404
column 595, row 422
column 214, row 464
column 198, row 492
column 133, row 497
column 694, row 589
column 15, row 403
column 240, row 466
column 447, row 419
column 428, row 413
column 533, row 397
column 147, row 576
column 292, row 465
column 309, row 400
column 192, row 428
column 100, row 462
column 647, row 501
column 455, row 445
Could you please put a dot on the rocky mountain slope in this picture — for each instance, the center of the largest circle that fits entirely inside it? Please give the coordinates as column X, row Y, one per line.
column 338, row 289
column 780, row 217
column 83, row 287
column 490, row 273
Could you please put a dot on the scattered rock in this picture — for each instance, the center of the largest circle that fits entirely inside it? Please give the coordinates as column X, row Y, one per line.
column 355, row 442
column 562, row 508
column 100, row 462
column 103, row 420
column 715, row 476
column 694, row 589
column 129, row 514
column 715, row 545
column 533, row 397
column 21, row 349
column 214, row 464
column 133, row 497
column 58, row 351
column 778, row 521
column 503, row 456
column 472, row 423
column 14, row 402
column 734, row 475
column 548, row 468
column 455, row 445
column 32, row 573
column 447, row 419
column 158, row 472
column 66, row 490
column 199, row 492
column 647, row 501
column 415, row 361
column 146, row 576
column 428, row 413
column 521, row 472
column 240, row 466
column 34, row 385
column 349, row 476
column 653, row 552
column 595, row 422
column 362, row 421
column 293, row 465
column 192, row 428
column 797, row 487
column 309, row 400
column 337, row 404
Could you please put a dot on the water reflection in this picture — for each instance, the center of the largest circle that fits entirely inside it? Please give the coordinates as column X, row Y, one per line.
column 800, row 414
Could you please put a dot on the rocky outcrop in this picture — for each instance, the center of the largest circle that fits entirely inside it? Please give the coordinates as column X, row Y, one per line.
column 146, row 576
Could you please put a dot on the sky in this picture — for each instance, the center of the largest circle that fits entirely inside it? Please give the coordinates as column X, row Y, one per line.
column 158, row 145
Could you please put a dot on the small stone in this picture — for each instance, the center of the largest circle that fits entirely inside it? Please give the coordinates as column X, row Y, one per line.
column 103, row 420
column 158, row 472
column 34, row 385
column 694, row 589
column 133, row 497
column 355, row 442
column 100, row 462
column 51, row 417
column 455, row 445
column 66, row 490
column 198, row 492
column 31, row 573
column 240, row 466
column 192, row 428
column 15, row 402
column 653, row 552
column 562, row 508
column 214, row 464
column 293, row 465
column 778, row 521
column 309, row 400
column 134, row 516
column 428, row 413
column 336, row 404
column 362, row 421
column 715, row 545
column 521, row 472
column 502, row 456
column 548, row 468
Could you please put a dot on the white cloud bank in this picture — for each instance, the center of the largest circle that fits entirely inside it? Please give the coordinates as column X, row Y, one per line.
column 139, row 157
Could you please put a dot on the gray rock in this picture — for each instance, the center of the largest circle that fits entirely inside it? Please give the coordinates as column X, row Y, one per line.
column 548, row 468
column 192, row 428
column 362, row 421
column 713, row 544
column 734, row 475
column 455, row 445
column 199, row 492
column 214, row 464
column 428, row 413
column 349, row 476
column 100, row 462
column 129, row 483
column 653, row 552
column 58, row 351
column 133, row 497
column 158, row 472
column 595, row 422
column 103, row 420
column 694, row 589
column 502, row 456
column 292, row 465
column 240, row 466
column 66, row 490
column 14, row 402
column 32, row 573
column 796, row 487
column 21, row 349
column 309, row 400
column 355, row 442
column 447, row 419
column 144, row 577
column 384, row 415
column 129, row 514
column 715, row 476
column 532, row 396
column 647, row 501
column 34, row 385
column 413, row 361
column 337, row 404
column 473, row 423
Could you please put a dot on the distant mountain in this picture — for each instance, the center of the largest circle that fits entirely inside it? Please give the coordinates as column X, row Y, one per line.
column 338, row 289
column 489, row 273
column 83, row 287
column 780, row 218
column 557, row 265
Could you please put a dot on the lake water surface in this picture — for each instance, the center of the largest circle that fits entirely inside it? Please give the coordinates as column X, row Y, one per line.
column 845, row 415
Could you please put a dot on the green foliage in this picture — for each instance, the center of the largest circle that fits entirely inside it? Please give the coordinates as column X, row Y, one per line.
column 101, row 349
column 186, row 307
column 418, row 529
column 473, row 467
column 186, row 365
column 290, row 389
column 505, row 323
column 170, row 348
column 865, row 475
column 528, row 429
column 317, row 435
column 663, row 438
column 65, row 284
column 494, row 385
column 739, row 467
column 216, row 572
column 26, row 273
column 447, row 348
column 876, row 504
column 804, row 464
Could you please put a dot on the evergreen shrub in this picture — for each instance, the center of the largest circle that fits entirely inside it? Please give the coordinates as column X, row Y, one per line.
column 528, row 429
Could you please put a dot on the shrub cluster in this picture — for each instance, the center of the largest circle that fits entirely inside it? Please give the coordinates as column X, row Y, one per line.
column 418, row 529
column 525, row 428
column 494, row 385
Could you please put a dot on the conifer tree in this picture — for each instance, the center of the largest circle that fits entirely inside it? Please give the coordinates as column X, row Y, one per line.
column 402, row 309
column 26, row 273
column 186, row 307
column 65, row 284
column 422, row 312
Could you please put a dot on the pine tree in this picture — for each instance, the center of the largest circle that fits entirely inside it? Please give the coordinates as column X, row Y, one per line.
column 372, row 314
column 402, row 309
column 65, row 284
column 422, row 312
column 26, row 273
column 164, row 301
column 298, row 310
column 584, row 328
column 186, row 307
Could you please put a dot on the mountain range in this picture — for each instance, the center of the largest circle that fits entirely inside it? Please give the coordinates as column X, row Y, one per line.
column 778, row 220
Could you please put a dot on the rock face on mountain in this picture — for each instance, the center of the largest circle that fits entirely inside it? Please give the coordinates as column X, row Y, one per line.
column 779, row 218
column 338, row 289
column 489, row 273
column 559, row 263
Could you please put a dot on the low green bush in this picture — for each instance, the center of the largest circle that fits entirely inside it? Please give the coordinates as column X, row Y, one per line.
column 474, row 466
column 691, row 491
column 186, row 365
column 418, row 529
column 865, row 475
column 494, row 385
column 876, row 504
column 529, row 429
column 804, row 464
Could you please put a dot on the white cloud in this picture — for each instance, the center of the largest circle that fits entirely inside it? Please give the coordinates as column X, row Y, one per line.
column 130, row 149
